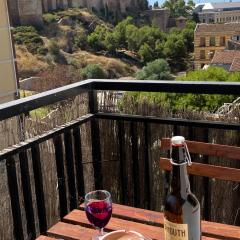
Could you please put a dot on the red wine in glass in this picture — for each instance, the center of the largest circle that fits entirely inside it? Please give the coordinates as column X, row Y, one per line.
column 99, row 213
column 98, row 207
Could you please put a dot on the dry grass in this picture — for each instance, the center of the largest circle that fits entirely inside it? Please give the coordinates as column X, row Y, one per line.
column 115, row 67
column 27, row 63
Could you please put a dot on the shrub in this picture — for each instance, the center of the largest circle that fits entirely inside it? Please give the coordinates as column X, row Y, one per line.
column 93, row 71
column 80, row 41
column 156, row 70
column 49, row 18
column 54, row 48
column 28, row 35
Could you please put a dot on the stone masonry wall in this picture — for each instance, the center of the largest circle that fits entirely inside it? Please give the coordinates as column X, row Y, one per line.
column 30, row 11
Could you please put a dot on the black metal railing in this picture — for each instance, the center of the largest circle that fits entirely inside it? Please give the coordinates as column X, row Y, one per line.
column 70, row 135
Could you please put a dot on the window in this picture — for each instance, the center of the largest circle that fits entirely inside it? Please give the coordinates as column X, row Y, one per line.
column 202, row 54
column 202, row 42
column 222, row 41
column 217, row 19
column 203, row 20
column 212, row 41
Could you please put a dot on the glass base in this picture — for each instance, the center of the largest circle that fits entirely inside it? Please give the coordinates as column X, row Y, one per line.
column 98, row 236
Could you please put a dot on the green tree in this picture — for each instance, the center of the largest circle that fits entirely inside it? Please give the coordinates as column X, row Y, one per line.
column 156, row 70
column 205, row 101
column 146, row 53
column 143, row 4
column 175, row 52
column 177, row 7
column 110, row 42
column 132, row 39
column 120, row 32
column 93, row 71
column 159, row 46
column 96, row 38
column 188, row 35
column 156, row 5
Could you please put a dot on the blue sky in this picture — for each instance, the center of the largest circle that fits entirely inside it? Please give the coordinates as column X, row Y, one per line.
column 196, row 1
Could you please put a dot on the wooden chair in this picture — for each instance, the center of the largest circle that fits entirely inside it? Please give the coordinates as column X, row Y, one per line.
column 207, row 170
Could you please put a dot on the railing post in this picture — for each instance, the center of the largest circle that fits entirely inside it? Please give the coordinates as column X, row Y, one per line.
column 60, row 175
column 147, row 171
column 70, row 169
column 39, row 190
column 95, row 140
column 78, row 162
column 27, row 194
column 135, row 166
column 122, row 160
column 14, row 197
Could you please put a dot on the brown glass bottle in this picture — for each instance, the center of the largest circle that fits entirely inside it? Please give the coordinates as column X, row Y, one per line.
column 182, row 209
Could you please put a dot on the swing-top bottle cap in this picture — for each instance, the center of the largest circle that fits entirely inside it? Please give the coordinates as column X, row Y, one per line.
column 177, row 140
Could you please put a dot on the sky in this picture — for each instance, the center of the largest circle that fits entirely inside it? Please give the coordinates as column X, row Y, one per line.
column 196, row 1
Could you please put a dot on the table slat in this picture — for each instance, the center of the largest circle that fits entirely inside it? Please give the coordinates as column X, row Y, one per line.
column 45, row 238
column 222, row 231
column 70, row 232
column 211, row 229
column 79, row 217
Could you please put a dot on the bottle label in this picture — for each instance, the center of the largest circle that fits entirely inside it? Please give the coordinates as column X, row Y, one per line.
column 175, row 231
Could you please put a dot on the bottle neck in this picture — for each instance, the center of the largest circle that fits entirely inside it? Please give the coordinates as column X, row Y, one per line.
column 180, row 183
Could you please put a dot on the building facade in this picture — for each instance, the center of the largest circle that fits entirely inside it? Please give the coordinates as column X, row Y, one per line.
column 218, row 12
column 208, row 38
column 8, row 79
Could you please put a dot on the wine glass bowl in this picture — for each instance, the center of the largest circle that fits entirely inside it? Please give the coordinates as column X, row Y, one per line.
column 98, row 208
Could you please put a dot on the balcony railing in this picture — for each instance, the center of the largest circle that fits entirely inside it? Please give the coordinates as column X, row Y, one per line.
column 81, row 165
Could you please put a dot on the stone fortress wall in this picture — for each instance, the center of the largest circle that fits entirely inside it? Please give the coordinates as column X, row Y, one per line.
column 30, row 11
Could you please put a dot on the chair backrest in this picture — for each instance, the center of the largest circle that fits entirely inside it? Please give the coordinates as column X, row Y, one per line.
column 207, row 170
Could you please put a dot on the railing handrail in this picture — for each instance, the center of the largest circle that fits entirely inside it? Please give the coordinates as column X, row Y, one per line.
column 24, row 105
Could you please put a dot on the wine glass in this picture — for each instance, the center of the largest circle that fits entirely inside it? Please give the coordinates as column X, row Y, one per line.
column 98, row 207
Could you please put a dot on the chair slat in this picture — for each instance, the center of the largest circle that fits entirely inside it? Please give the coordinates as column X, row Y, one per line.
column 206, row 170
column 209, row 149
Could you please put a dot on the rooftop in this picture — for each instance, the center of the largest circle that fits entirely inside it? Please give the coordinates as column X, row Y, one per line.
column 235, row 67
column 225, row 56
column 217, row 28
column 228, row 57
column 219, row 6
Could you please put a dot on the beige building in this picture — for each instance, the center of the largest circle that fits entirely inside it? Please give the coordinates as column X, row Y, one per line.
column 8, row 79
column 221, row 12
column 209, row 38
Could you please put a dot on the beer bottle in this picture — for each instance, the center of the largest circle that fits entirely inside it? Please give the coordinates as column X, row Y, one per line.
column 182, row 209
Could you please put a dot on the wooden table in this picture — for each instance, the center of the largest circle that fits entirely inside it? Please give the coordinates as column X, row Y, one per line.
column 76, row 226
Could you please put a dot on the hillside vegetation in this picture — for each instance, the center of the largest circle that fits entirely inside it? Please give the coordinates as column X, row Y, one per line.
column 63, row 42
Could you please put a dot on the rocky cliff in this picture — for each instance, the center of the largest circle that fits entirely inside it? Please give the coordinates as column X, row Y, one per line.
column 30, row 11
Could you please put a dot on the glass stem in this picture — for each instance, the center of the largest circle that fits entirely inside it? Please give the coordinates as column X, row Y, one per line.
column 101, row 231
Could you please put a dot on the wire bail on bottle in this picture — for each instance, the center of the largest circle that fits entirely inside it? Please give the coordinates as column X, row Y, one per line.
column 181, row 140
column 188, row 157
